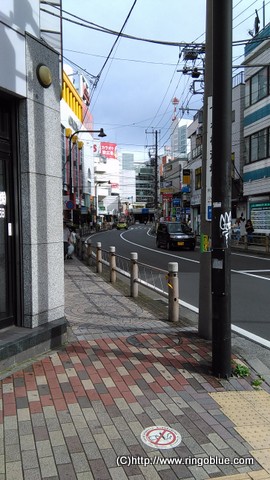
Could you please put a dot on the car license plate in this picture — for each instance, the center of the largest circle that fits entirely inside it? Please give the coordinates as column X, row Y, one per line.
column 180, row 244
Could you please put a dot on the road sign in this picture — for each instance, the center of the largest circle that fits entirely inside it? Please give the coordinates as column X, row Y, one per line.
column 69, row 204
column 161, row 437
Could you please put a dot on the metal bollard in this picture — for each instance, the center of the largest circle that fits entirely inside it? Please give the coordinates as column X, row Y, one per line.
column 173, row 291
column 134, row 286
column 99, row 258
column 112, row 265
column 89, row 251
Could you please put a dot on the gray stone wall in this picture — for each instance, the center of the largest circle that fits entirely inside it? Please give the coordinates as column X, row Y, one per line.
column 41, row 191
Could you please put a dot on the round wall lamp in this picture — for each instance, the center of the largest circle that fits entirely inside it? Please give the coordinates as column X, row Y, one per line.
column 44, row 75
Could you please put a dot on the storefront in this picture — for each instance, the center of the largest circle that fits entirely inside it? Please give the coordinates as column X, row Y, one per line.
column 9, row 274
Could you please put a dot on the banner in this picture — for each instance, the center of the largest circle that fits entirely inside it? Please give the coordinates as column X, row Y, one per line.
column 108, row 149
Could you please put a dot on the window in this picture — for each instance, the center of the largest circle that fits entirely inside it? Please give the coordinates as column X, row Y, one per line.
column 257, row 146
column 247, row 94
column 247, row 150
column 198, row 178
column 259, row 85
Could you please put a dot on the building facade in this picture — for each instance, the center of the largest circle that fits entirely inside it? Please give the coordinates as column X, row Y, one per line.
column 31, row 227
column 256, row 169
column 195, row 134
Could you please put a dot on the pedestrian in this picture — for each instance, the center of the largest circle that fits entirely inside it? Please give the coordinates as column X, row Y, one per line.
column 236, row 230
column 66, row 235
column 249, row 230
column 72, row 244
column 242, row 228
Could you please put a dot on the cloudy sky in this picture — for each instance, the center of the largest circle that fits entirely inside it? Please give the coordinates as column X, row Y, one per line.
column 138, row 81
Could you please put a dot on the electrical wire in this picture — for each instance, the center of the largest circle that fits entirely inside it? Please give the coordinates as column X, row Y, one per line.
column 115, row 42
column 137, row 38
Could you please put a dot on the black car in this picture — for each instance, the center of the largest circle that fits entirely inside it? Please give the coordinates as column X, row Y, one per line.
column 175, row 235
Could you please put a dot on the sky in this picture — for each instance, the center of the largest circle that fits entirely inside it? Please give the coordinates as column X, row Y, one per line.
column 133, row 95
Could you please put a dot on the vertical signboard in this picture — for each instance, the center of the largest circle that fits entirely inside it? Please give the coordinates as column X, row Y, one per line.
column 208, row 209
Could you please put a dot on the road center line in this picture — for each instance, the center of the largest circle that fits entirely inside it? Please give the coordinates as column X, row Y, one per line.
column 157, row 251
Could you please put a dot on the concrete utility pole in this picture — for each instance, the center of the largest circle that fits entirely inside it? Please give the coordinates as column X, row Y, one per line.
column 156, row 174
column 221, row 187
column 205, row 284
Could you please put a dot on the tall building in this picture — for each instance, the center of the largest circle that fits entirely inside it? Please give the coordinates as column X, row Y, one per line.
column 127, row 161
column 127, row 181
column 179, row 139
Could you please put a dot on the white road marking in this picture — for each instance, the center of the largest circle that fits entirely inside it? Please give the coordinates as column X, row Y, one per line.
column 248, row 274
column 161, row 253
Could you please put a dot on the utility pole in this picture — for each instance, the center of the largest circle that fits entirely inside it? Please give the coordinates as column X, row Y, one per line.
column 156, row 175
column 221, row 188
column 205, row 284
column 154, row 163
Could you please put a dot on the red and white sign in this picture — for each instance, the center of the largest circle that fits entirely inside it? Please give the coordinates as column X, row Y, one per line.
column 108, row 149
column 161, row 437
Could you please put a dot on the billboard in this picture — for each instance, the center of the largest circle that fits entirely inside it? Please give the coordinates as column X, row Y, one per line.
column 108, row 150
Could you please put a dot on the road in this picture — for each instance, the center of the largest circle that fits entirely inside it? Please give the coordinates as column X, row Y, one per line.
column 250, row 275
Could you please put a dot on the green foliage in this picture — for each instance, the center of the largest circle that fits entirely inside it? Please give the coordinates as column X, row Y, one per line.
column 239, row 370
column 256, row 384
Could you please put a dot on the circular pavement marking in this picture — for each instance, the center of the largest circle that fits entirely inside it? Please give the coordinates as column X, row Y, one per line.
column 161, row 437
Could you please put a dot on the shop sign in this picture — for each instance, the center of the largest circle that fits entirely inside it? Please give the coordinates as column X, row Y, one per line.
column 260, row 215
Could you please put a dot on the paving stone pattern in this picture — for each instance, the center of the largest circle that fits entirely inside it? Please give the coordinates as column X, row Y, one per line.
column 71, row 414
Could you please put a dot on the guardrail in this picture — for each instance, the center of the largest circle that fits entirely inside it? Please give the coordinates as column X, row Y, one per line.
column 257, row 242
column 138, row 273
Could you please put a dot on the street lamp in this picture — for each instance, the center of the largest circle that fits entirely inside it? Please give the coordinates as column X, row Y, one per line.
column 72, row 137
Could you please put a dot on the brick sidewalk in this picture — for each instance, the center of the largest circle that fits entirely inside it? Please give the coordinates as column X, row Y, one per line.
column 79, row 412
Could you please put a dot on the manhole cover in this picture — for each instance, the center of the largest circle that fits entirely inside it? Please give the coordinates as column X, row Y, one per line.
column 161, row 437
column 154, row 340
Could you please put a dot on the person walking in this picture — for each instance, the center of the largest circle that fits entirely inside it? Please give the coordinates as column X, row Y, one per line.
column 66, row 235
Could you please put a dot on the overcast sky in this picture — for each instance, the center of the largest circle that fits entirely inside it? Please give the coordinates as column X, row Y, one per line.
column 137, row 84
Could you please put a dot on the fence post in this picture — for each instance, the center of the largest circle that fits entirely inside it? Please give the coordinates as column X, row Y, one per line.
column 173, row 291
column 134, row 286
column 112, row 265
column 246, row 242
column 89, row 251
column 99, row 258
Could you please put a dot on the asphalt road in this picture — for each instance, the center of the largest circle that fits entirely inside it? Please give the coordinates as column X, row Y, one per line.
column 250, row 274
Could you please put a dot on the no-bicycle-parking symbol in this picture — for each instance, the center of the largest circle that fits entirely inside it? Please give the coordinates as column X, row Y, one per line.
column 161, row 437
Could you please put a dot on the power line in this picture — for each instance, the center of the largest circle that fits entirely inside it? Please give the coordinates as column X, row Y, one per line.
column 115, row 42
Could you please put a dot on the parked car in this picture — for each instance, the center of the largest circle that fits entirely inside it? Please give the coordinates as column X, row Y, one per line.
column 122, row 224
column 175, row 235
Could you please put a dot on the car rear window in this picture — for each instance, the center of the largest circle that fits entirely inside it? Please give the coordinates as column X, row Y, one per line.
column 175, row 228
column 178, row 228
